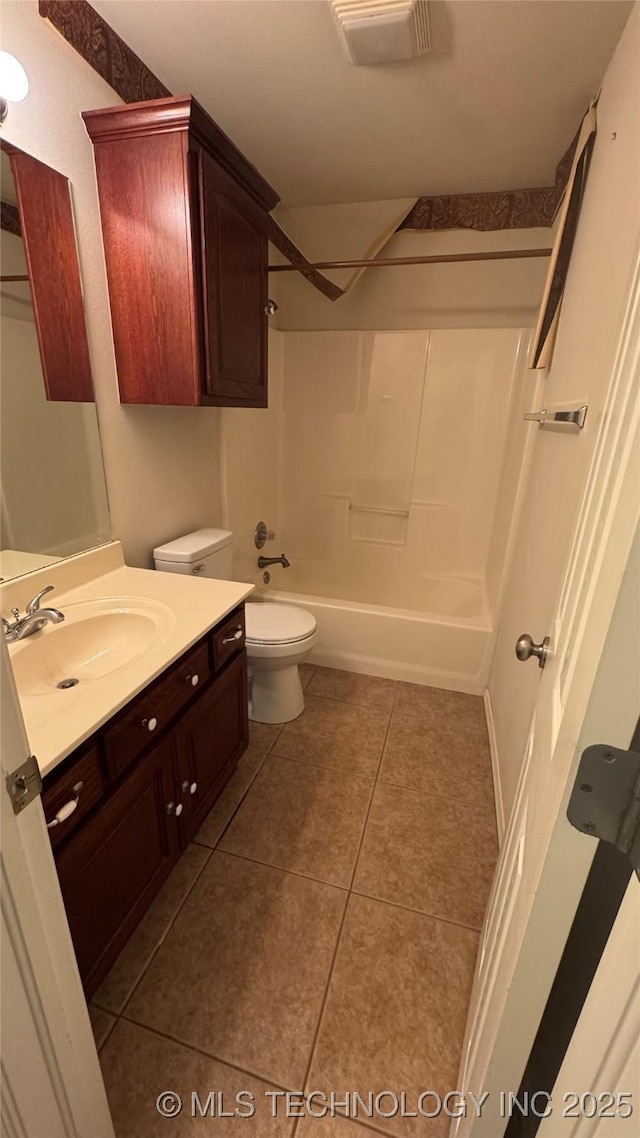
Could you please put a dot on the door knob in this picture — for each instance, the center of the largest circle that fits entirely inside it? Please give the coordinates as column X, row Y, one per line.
column 525, row 649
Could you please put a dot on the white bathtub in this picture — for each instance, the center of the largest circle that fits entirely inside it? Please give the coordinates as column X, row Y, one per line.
column 440, row 648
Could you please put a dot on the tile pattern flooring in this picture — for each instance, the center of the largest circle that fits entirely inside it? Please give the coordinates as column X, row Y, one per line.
column 321, row 931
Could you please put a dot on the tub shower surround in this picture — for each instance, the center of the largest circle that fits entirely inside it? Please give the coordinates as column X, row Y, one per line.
column 393, row 493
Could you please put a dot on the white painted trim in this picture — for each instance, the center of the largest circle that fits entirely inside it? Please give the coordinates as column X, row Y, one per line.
column 495, row 766
column 395, row 670
column 59, row 1091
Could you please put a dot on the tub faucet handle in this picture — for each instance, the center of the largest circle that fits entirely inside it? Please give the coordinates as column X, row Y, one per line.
column 262, row 535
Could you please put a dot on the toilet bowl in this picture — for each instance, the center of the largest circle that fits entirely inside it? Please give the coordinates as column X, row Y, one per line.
column 278, row 639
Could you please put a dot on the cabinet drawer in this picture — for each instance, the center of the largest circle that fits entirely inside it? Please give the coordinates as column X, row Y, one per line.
column 228, row 639
column 148, row 715
column 72, row 795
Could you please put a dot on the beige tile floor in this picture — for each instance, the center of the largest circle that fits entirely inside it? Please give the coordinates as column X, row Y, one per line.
column 320, row 933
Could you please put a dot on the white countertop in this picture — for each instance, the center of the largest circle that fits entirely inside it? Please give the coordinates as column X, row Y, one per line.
column 57, row 722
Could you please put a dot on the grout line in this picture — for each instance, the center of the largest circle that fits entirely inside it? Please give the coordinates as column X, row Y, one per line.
column 320, row 766
column 284, row 869
column 109, row 1029
column 234, row 811
column 167, row 930
column 209, row 1055
column 441, row 797
column 395, row 698
column 346, row 703
column 352, row 702
column 281, row 728
column 325, row 997
column 418, row 912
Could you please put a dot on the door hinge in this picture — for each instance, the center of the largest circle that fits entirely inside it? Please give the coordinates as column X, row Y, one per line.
column 24, row 784
column 605, row 800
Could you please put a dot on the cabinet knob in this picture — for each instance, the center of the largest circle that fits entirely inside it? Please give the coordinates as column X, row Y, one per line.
column 189, row 786
column 194, row 680
column 67, row 810
column 173, row 809
column 150, row 724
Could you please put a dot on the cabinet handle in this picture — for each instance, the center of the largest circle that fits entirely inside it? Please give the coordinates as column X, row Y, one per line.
column 150, row 724
column 189, row 786
column 193, row 680
column 230, row 639
column 173, row 809
column 67, row 810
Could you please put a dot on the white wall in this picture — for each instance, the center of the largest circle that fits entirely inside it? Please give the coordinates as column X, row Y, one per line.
column 591, row 318
column 161, row 464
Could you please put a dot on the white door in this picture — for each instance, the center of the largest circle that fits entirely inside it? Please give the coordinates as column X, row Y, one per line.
column 51, row 1082
column 604, row 1052
column 544, row 862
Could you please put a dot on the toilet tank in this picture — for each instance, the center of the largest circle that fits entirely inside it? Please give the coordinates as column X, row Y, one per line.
column 204, row 553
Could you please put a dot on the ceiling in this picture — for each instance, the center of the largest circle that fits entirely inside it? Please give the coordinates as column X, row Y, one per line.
column 493, row 106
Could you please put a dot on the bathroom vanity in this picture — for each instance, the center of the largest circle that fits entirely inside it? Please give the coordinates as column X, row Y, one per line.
column 136, row 709
column 143, row 784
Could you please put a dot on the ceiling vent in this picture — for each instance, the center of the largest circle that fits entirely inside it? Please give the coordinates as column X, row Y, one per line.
column 382, row 31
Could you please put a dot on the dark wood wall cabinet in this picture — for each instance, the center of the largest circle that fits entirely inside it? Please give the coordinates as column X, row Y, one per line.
column 121, row 808
column 184, row 223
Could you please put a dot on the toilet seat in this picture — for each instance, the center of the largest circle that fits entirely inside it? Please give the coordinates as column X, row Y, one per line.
column 270, row 623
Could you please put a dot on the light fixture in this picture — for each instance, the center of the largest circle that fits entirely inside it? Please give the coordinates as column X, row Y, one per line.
column 14, row 84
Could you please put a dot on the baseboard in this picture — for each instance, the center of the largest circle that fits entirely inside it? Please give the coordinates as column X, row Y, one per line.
column 394, row 670
column 495, row 766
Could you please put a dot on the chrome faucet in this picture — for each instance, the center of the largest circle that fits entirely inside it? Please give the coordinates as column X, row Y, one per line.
column 264, row 562
column 33, row 620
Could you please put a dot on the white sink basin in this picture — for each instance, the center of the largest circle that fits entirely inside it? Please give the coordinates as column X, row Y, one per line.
column 97, row 638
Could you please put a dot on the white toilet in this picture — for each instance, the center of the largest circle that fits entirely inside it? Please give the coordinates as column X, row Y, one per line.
column 278, row 637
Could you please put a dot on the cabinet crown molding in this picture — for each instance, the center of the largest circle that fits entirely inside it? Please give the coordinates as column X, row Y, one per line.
column 179, row 113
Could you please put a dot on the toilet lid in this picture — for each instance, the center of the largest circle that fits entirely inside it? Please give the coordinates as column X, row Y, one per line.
column 277, row 624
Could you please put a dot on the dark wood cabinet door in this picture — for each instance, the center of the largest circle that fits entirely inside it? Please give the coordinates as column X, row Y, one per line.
column 234, row 276
column 147, row 230
column 111, row 869
column 48, row 233
column 209, row 741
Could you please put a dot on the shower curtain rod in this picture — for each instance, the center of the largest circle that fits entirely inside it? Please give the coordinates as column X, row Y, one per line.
column 385, row 262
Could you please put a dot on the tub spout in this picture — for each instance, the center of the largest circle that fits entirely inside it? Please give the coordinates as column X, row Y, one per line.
column 264, row 562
